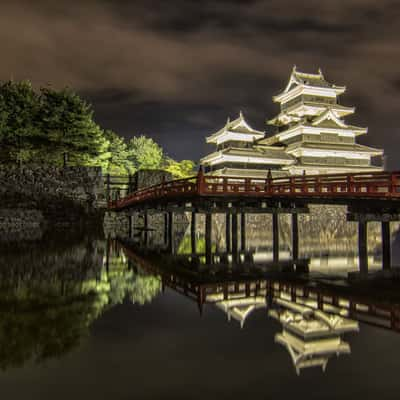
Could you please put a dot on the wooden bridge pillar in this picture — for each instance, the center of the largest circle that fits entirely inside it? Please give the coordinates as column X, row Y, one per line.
column 275, row 236
column 171, row 245
column 208, row 238
column 145, row 227
column 235, row 236
column 295, row 236
column 228, row 232
column 193, row 233
column 166, row 228
column 243, row 231
column 130, row 222
column 362, row 247
column 386, row 245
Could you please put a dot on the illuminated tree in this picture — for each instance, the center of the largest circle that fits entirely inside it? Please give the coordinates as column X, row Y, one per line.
column 180, row 169
column 118, row 163
column 67, row 121
column 145, row 153
column 19, row 114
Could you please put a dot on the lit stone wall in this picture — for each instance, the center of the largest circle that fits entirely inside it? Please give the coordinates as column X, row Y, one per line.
column 53, row 195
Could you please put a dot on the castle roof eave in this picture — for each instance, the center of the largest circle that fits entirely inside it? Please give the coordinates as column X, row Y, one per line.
column 232, row 126
column 357, row 131
column 265, row 156
column 213, row 139
column 338, row 90
column 307, row 80
column 336, row 107
column 350, row 147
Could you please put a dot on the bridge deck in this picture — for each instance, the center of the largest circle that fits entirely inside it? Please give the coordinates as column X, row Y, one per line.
column 376, row 185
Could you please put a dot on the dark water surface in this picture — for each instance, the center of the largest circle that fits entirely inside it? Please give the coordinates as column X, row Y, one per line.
column 83, row 317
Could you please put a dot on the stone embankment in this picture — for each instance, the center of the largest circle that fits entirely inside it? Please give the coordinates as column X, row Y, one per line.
column 37, row 196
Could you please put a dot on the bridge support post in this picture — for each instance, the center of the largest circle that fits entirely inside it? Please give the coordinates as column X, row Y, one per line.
column 235, row 236
column 166, row 228
column 228, row 232
column 146, row 227
column 275, row 236
column 193, row 232
column 362, row 247
column 208, row 234
column 386, row 245
column 295, row 236
column 243, row 231
column 171, row 232
column 130, row 222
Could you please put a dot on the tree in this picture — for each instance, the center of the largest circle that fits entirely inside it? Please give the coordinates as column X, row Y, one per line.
column 145, row 153
column 180, row 169
column 67, row 121
column 118, row 163
column 19, row 129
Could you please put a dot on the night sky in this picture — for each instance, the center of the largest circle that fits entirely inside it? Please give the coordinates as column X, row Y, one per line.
column 174, row 70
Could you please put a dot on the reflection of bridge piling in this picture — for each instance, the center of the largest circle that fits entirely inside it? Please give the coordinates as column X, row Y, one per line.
column 242, row 231
column 208, row 237
column 193, row 232
column 386, row 245
column 362, row 247
column 228, row 232
column 275, row 236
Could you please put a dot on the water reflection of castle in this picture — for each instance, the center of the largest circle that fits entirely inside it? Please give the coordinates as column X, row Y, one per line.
column 313, row 318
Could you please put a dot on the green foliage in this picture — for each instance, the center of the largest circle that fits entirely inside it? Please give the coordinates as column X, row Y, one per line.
column 19, row 114
column 180, row 169
column 145, row 153
column 56, row 127
column 118, row 163
column 67, row 122
column 48, row 127
column 144, row 289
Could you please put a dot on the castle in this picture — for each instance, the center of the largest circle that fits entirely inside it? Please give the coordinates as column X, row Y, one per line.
column 311, row 136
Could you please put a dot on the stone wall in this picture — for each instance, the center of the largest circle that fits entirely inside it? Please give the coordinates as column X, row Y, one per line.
column 149, row 177
column 61, row 195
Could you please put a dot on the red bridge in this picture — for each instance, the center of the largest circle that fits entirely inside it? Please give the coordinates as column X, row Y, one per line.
column 336, row 188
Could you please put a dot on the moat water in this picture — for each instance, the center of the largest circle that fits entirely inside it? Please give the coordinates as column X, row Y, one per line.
column 86, row 316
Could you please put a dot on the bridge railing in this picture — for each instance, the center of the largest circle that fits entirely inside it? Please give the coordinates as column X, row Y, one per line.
column 371, row 184
column 376, row 184
column 179, row 187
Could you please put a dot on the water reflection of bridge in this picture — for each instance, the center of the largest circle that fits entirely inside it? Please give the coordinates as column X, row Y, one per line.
column 314, row 318
column 210, row 286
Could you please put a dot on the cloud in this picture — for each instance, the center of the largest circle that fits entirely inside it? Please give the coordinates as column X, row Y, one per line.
column 195, row 56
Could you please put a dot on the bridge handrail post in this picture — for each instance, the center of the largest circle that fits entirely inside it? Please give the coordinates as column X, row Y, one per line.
column 303, row 182
column 350, row 183
column 393, row 183
column 200, row 180
column 291, row 185
column 246, row 185
column 318, row 184
column 268, row 182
